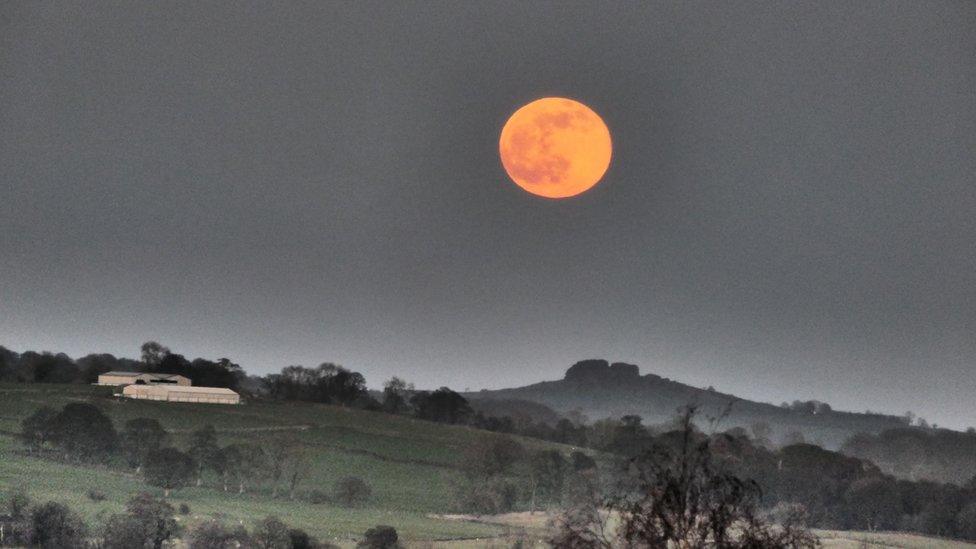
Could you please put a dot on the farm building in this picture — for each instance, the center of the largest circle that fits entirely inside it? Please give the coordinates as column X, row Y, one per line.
column 182, row 393
column 141, row 378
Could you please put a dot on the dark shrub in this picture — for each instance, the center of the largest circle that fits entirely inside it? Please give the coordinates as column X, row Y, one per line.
column 301, row 540
column 140, row 437
column 36, row 429
column 271, row 533
column 184, row 509
column 380, row 537
column 55, row 526
column 966, row 522
column 874, row 504
column 214, row 535
column 16, row 533
column 17, row 526
column 352, row 492
column 122, row 532
column 169, row 469
column 83, row 433
column 155, row 517
column 205, row 452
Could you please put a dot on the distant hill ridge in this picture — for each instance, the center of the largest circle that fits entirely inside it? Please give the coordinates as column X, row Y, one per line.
column 600, row 390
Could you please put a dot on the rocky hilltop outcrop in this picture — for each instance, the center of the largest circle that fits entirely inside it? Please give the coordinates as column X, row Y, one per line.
column 598, row 370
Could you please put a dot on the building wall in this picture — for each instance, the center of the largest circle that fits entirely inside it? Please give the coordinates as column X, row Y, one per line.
column 169, row 393
column 114, row 380
column 176, row 396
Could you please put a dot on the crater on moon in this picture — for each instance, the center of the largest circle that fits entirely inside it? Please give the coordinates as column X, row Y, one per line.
column 555, row 147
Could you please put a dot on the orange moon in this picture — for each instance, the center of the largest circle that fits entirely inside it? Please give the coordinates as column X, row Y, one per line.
column 555, row 147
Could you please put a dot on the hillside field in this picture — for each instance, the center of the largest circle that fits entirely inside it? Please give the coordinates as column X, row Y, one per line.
column 410, row 464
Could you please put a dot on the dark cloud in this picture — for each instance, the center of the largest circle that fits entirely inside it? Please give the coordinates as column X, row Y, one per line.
column 789, row 211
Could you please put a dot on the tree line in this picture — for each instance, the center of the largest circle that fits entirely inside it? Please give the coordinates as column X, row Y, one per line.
column 919, row 453
column 833, row 490
column 45, row 367
column 798, row 484
column 828, row 489
column 332, row 384
column 151, row 523
column 641, row 471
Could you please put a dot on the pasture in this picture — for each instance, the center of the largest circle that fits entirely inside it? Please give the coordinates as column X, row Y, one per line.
column 411, row 465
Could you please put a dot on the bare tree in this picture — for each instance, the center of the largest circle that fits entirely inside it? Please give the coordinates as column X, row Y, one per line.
column 585, row 524
column 245, row 464
column 675, row 494
column 141, row 437
column 285, row 460
column 204, row 450
column 352, row 492
column 169, row 469
column 296, row 468
column 547, row 472
column 36, row 428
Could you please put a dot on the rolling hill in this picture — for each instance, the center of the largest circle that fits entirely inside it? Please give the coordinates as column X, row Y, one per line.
column 410, row 464
column 599, row 390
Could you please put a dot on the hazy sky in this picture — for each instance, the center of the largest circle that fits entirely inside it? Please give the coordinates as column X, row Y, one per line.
column 790, row 211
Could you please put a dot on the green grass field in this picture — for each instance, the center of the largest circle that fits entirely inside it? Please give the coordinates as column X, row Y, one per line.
column 410, row 464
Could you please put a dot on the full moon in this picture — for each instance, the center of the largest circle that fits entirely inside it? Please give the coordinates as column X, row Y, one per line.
column 555, row 147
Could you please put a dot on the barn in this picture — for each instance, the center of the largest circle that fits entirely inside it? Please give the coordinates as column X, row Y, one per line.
column 141, row 378
column 181, row 393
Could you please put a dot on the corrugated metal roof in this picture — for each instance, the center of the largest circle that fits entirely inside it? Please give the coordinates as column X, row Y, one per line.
column 179, row 389
column 137, row 374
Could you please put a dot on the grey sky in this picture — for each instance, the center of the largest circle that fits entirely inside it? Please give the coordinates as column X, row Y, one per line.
column 790, row 212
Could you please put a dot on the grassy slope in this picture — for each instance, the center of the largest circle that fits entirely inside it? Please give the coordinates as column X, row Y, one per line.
column 410, row 464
